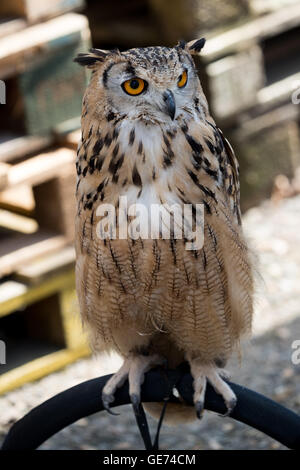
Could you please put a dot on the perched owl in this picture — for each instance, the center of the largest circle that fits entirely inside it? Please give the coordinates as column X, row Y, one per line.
column 147, row 135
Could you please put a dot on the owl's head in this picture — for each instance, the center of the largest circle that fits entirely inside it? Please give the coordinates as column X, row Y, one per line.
column 151, row 83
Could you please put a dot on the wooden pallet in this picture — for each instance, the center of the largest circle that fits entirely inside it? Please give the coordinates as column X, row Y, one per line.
column 46, row 306
column 37, row 292
column 253, row 64
column 260, row 7
column 44, row 87
column 267, row 146
column 37, row 203
column 36, row 10
column 250, row 74
column 50, row 180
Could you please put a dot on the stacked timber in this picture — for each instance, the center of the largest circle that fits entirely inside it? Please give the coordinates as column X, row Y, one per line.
column 42, row 105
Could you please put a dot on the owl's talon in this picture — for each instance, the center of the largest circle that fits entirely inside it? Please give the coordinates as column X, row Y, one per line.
column 133, row 369
column 203, row 373
column 230, row 407
column 199, row 405
column 106, row 400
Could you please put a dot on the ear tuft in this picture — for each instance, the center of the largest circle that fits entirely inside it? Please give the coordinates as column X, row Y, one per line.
column 90, row 58
column 196, row 45
column 181, row 44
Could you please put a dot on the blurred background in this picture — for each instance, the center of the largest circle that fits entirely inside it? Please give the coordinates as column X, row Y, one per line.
column 250, row 71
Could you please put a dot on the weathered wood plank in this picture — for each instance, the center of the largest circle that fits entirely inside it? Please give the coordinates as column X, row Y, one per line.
column 260, row 7
column 40, row 168
column 37, row 10
column 19, row 249
column 71, row 139
column 10, row 25
column 267, row 146
column 4, row 169
column 279, row 91
column 46, row 265
column 40, row 367
column 15, row 146
column 18, row 50
column 17, row 223
column 251, row 32
column 17, row 295
column 18, row 199
column 235, row 80
column 55, row 203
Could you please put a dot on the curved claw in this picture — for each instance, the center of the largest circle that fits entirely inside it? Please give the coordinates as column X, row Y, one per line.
column 199, row 405
column 135, row 401
column 230, row 407
column 106, row 400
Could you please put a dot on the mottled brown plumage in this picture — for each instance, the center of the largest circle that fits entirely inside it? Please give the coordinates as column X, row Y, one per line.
column 151, row 300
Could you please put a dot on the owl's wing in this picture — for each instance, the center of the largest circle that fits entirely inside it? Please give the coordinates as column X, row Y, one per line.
column 231, row 180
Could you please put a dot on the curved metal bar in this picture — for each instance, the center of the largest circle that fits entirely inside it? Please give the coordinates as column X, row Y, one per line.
column 84, row 399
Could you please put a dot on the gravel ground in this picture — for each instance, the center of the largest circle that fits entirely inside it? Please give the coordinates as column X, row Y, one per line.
column 267, row 367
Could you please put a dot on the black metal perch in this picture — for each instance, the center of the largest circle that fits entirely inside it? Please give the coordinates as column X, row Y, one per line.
column 84, row 399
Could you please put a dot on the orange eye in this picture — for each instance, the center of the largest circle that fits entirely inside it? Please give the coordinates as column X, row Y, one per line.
column 134, row 86
column 182, row 79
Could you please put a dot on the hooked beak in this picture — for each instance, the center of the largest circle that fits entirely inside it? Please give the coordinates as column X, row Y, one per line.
column 170, row 106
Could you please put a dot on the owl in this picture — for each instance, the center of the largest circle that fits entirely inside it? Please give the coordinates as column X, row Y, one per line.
column 148, row 136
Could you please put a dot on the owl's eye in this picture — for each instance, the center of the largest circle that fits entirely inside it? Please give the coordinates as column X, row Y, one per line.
column 134, row 86
column 182, row 80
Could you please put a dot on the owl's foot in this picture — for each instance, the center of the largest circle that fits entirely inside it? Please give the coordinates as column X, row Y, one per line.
column 134, row 368
column 203, row 373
